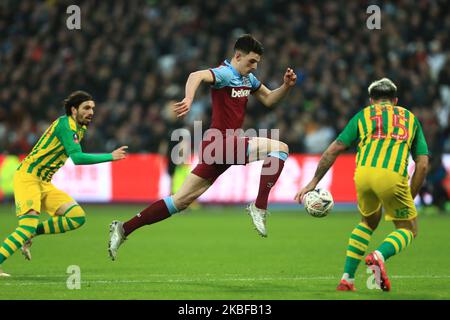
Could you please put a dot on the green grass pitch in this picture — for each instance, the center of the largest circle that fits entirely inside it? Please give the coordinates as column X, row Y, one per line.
column 214, row 253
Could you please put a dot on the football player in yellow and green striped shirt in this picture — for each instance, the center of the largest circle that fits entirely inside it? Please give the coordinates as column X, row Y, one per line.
column 386, row 134
column 33, row 191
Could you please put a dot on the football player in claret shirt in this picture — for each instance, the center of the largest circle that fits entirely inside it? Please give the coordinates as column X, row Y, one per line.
column 386, row 135
column 231, row 85
column 33, row 191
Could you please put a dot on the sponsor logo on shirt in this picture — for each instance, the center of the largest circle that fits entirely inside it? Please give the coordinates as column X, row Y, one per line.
column 239, row 93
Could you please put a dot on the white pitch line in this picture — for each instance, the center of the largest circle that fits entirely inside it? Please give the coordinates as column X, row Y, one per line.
column 237, row 277
column 233, row 276
column 8, row 282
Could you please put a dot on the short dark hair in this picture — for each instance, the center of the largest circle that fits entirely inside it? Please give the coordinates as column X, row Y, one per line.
column 246, row 43
column 75, row 99
column 382, row 89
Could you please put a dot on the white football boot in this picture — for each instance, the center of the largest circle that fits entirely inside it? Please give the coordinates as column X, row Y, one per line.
column 116, row 238
column 26, row 250
column 259, row 218
column 4, row 274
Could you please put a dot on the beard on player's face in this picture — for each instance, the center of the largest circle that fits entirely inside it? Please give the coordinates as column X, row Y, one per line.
column 85, row 113
column 83, row 118
column 86, row 118
column 83, row 121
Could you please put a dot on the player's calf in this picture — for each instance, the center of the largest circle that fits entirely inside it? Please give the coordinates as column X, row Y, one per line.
column 272, row 167
column 271, row 170
column 357, row 245
column 394, row 243
column 157, row 211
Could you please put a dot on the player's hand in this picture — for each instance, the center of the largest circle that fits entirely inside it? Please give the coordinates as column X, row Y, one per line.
column 290, row 77
column 299, row 196
column 182, row 107
column 120, row 153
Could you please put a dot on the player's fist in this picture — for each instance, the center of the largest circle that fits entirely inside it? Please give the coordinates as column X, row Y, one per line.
column 120, row 153
column 290, row 77
column 182, row 107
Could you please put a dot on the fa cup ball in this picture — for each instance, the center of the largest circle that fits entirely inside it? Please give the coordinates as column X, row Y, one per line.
column 318, row 202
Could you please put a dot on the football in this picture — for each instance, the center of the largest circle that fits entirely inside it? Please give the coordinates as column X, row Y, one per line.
column 318, row 202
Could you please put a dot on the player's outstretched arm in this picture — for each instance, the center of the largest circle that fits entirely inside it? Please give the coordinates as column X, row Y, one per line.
column 80, row 158
column 70, row 141
column 270, row 97
column 326, row 161
column 420, row 172
column 192, row 83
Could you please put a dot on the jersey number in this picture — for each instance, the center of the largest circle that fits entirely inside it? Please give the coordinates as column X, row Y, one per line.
column 395, row 123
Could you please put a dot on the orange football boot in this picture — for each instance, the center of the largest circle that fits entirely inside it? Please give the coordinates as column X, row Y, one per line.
column 374, row 259
column 344, row 285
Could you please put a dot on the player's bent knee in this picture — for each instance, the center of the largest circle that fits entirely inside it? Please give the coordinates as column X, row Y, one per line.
column 278, row 146
column 410, row 225
column 281, row 151
column 76, row 215
column 32, row 212
column 75, row 211
column 284, row 147
column 63, row 209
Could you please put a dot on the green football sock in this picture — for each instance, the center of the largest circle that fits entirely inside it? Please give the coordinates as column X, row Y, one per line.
column 357, row 246
column 395, row 242
column 25, row 231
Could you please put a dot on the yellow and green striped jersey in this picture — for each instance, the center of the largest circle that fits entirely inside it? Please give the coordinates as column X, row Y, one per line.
column 58, row 142
column 387, row 134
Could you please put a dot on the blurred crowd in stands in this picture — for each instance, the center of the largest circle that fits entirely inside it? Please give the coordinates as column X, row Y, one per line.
column 135, row 56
